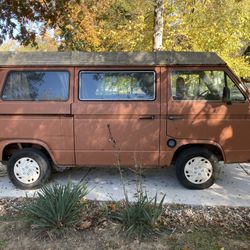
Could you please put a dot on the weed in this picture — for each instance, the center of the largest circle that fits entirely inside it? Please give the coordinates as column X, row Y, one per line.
column 139, row 218
column 56, row 209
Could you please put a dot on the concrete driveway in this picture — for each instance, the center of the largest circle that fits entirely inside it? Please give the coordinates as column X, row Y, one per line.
column 232, row 187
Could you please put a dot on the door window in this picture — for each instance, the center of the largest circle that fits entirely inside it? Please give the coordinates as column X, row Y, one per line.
column 207, row 85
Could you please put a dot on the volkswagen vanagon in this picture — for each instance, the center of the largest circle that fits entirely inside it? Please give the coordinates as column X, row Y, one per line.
column 185, row 109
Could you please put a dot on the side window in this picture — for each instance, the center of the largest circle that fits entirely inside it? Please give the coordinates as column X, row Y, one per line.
column 36, row 86
column 235, row 94
column 117, row 85
column 208, row 85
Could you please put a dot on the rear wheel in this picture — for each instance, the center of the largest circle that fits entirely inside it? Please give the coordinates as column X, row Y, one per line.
column 28, row 168
column 196, row 167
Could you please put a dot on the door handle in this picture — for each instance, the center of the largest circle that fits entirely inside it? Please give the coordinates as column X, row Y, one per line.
column 175, row 117
column 147, row 117
column 68, row 115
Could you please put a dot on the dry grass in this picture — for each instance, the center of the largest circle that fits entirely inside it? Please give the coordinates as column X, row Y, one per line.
column 185, row 228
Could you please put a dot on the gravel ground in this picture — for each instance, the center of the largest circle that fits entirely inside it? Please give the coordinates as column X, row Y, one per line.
column 175, row 216
column 186, row 227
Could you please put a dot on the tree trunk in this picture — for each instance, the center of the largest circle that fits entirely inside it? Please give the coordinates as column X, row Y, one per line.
column 158, row 25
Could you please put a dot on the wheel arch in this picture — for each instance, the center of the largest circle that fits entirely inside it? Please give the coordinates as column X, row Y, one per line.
column 9, row 147
column 212, row 147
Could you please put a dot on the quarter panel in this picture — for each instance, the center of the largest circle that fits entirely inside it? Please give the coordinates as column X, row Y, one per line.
column 53, row 131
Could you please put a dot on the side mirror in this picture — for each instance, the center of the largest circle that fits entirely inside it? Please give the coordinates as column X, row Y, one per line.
column 226, row 96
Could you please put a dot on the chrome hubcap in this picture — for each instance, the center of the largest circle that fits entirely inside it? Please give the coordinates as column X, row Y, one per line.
column 26, row 170
column 198, row 170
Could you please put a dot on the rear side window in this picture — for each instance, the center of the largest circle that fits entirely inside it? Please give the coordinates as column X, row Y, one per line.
column 36, row 86
column 117, row 85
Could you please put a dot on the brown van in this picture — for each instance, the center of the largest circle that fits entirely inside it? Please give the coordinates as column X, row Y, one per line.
column 61, row 108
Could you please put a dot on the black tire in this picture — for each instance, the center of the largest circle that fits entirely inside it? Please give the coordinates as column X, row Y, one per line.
column 40, row 167
column 206, row 164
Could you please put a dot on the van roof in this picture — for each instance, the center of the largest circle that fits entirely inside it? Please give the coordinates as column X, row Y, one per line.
column 109, row 58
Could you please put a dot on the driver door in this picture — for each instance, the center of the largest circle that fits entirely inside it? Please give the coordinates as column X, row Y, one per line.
column 204, row 116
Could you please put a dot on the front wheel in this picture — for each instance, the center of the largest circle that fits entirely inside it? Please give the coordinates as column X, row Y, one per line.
column 196, row 167
column 28, row 168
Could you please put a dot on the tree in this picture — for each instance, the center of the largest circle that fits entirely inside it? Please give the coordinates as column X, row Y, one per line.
column 158, row 26
column 90, row 25
column 16, row 17
column 221, row 26
column 43, row 43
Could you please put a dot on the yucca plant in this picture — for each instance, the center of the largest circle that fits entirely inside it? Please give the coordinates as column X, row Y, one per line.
column 140, row 218
column 56, row 208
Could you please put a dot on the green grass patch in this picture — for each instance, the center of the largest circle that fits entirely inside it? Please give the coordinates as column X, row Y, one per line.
column 207, row 239
column 3, row 243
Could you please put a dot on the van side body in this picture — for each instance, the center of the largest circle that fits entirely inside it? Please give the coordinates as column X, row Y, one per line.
column 147, row 124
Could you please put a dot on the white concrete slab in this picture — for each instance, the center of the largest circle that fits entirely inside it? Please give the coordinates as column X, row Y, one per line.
column 232, row 188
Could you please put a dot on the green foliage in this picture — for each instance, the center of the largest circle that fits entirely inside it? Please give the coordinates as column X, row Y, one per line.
column 217, row 26
column 220, row 26
column 139, row 218
column 44, row 43
column 56, row 209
